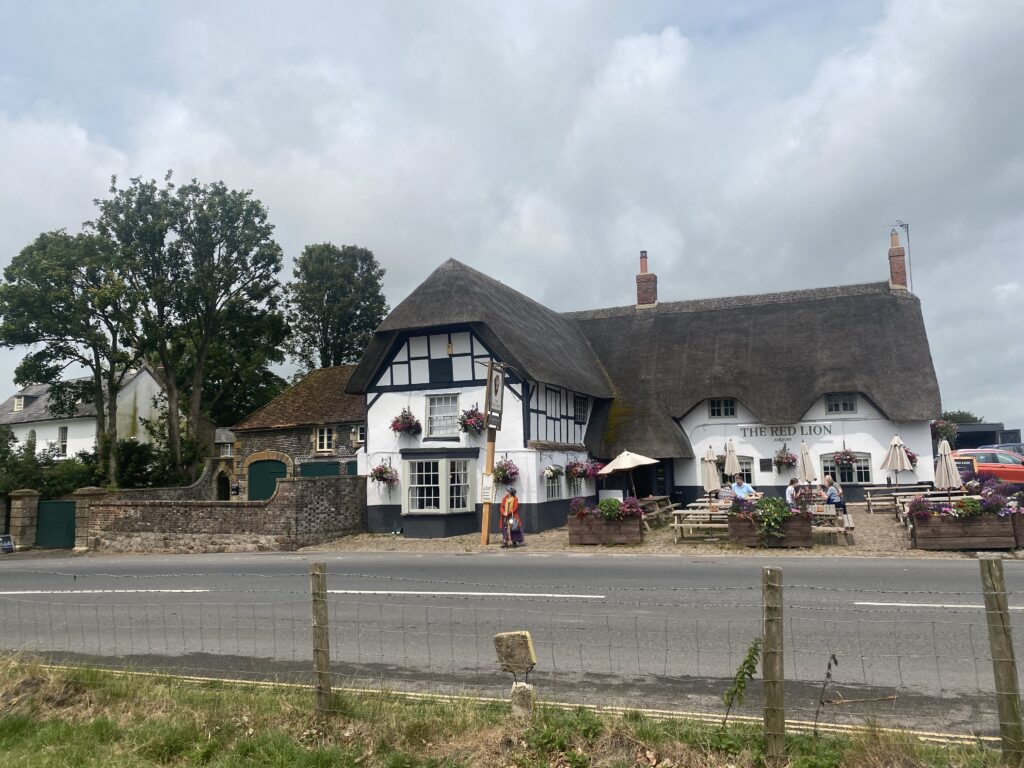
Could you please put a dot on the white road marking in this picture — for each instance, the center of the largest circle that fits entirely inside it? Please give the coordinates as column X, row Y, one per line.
column 459, row 594
column 932, row 605
column 98, row 591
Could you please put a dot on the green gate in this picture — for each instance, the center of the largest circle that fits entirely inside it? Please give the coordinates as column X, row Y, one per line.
column 55, row 527
column 263, row 477
column 319, row 469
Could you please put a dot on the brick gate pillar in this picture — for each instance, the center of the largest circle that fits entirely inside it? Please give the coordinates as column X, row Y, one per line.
column 84, row 499
column 24, row 516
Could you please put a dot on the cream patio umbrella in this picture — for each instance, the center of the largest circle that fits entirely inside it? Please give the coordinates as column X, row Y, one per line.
column 709, row 473
column 947, row 476
column 625, row 462
column 896, row 460
column 805, row 469
column 732, row 464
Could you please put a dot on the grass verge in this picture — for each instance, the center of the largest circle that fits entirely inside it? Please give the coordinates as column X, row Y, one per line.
column 85, row 717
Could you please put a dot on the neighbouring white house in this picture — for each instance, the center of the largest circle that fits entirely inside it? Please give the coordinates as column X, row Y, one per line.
column 28, row 416
column 842, row 369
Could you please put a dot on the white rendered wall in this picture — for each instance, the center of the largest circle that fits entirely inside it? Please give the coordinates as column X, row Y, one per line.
column 134, row 403
column 384, row 445
column 866, row 431
column 81, row 434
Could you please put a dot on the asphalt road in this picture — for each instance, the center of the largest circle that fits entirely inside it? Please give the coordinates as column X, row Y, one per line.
column 909, row 636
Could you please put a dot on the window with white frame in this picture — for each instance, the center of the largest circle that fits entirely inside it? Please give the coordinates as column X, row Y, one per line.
column 579, row 409
column 442, row 415
column 226, row 449
column 19, row 403
column 361, row 434
column 62, row 441
column 577, row 486
column 841, row 402
column 552, row 487
column 325, row 438
column 721, row 407
column 858, row 473
column 438, row 485
column 746, row 469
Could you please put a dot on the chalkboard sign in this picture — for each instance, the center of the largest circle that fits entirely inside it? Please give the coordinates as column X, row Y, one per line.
column 6, row 543
column 965, row 464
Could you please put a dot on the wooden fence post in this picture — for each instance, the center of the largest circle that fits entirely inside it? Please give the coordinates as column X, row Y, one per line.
column 321, row 638
column 772, row 668
column 1004, row 665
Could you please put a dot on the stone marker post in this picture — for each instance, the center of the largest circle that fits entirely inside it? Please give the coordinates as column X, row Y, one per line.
column 517, row 656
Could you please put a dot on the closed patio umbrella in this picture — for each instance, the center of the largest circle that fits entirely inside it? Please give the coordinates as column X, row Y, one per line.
column 709, row 473
column 947, row 476
column 732, row 464
column 625, row 462
column 805, row 469
column 896, row 460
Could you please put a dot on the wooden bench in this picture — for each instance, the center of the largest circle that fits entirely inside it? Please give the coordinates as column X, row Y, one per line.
column 834, row 522
column 656, row 508
column 880, row 498
column 686, row 521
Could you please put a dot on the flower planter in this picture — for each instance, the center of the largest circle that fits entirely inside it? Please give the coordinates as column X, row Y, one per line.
column 597, row 530
column 985, row 532
column 796, row 533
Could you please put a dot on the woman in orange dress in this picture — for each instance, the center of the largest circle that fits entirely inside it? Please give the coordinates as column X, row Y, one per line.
column 511, row 524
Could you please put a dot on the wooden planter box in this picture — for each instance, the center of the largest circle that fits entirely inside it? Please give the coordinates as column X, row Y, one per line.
column 596, row 530
column 986, row 532
column 796, row 533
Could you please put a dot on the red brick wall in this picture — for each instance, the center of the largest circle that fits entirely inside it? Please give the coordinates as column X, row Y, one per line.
column 646, row 288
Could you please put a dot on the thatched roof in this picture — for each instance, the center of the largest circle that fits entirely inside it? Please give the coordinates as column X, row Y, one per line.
column 775, row 353
column 539, row 344
column 319, row 399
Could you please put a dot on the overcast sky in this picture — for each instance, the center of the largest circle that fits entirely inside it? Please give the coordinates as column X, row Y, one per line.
column 748, row 146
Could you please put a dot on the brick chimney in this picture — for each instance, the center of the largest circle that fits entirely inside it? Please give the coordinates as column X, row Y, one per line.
column 897, row 262
column 646, row 285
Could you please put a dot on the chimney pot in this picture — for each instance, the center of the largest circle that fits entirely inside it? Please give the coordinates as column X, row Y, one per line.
column 643, row 262
column 897, row 262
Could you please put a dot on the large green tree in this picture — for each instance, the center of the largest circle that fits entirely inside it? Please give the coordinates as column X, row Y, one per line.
column 961, row 417
column 65, row 296
column 203, row 262
column 335, row 302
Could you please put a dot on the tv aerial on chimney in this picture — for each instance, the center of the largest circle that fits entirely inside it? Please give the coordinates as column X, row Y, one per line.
column 905, row 226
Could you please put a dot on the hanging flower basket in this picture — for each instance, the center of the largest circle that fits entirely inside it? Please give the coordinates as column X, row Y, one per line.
column 505, row 472
column 553, row 471
column 912, row 456
column 384, row 474
column 406, row 424
column 844, row 458
column 581, row 470
column 785, row 460
column 472, row 421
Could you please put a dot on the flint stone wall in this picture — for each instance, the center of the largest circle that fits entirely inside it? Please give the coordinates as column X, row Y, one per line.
column 302, row 512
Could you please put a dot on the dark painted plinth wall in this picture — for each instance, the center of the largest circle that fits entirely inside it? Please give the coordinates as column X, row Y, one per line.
column 536, row 518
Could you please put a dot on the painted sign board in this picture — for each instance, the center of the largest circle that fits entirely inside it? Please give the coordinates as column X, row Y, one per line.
column 495, row 396
column 965, row 464
column 487, row 489
column 6, row 543
column 787, row 432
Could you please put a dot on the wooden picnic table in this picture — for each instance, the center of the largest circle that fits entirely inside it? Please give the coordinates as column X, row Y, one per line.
column 656, row 508
column 686, row 521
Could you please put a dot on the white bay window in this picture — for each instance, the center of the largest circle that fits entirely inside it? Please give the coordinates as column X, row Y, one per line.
column 438, row 485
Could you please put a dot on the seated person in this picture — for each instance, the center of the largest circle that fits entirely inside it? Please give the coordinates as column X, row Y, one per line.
column 834, row 493
column 741, row 487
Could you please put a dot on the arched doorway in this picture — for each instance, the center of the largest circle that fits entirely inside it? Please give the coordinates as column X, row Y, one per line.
column 263, row 477
column 223, row 487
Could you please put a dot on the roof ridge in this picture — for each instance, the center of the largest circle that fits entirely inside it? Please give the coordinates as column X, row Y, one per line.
column 751, row 299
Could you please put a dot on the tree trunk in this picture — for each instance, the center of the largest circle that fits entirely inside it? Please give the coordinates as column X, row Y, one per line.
column 173, row 410
column 113, row 386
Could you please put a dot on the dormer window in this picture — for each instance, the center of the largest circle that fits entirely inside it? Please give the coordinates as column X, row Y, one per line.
column 841, row 402
column 722, row 407
column 19, row 403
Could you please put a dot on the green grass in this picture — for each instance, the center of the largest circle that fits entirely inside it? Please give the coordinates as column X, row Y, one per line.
column 51, row 717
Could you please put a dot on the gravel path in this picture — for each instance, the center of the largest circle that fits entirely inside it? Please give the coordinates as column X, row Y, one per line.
column 875, row 536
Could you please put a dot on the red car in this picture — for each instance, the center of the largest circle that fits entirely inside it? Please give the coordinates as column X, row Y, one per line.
column 1003, row 464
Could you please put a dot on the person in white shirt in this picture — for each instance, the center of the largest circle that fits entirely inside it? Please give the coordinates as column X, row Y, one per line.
column 791, row 492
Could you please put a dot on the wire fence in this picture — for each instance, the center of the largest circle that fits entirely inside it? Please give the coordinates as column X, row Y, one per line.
column 897, row 659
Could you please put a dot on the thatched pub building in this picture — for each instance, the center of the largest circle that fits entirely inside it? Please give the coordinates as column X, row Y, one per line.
column 842, row 369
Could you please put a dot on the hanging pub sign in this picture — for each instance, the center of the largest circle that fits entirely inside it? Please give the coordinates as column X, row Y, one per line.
column 6, row 543
column 495, row 395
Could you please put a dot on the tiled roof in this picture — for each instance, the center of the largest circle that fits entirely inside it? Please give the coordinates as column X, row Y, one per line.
column 318, row 399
